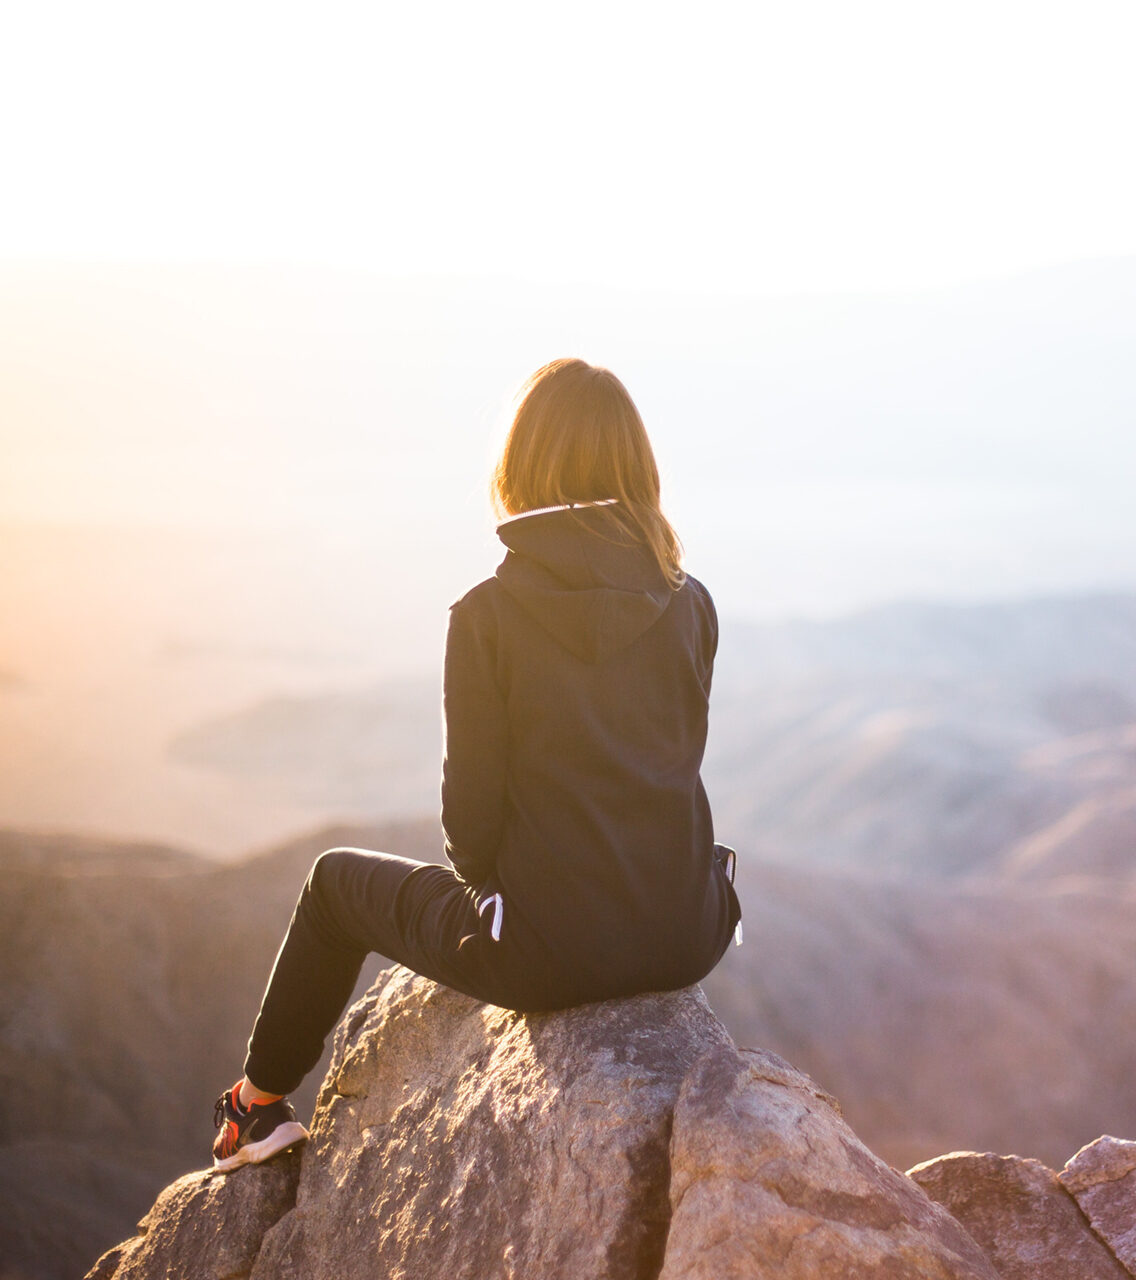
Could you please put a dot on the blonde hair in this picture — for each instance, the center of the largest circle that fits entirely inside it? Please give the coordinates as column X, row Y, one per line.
column 577, row 437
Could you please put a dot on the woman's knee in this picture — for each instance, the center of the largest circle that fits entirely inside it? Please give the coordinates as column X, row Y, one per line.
column 330, row 895
column 331, row 868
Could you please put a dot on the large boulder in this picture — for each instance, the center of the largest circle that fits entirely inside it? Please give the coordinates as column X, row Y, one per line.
column 1021, row 1215
column 768, row 1181
column 453, row 1139
column 1101, row 1177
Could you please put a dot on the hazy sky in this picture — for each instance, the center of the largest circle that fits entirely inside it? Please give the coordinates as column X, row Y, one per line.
column 745, row 146
column 490, row 185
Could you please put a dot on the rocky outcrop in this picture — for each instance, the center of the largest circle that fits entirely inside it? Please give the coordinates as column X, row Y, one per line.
column 1021, row 1215
column 1101, row 1177
column 205, row 1227
column 766, row 1180
column 455, row 1139
column 621, row 1140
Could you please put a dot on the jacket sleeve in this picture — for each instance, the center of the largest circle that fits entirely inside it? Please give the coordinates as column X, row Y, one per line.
column 475, row 746
column 708, row 638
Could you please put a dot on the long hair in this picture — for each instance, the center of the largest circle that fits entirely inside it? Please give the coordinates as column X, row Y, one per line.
column 577, row 437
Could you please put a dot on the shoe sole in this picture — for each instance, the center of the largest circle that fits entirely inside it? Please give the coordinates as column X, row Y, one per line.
column 284, row 1135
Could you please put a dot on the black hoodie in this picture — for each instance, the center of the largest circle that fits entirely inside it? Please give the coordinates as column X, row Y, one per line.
column 577, row 684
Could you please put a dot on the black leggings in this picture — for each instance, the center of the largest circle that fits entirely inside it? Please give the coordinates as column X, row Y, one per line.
column 355, row 902
column 421, row 915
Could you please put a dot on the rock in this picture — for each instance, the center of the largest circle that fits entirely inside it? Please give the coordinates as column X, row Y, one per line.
column 768, row 1181
column 1101, row 1177
column 457, row 1141
column 1020, row 1214
column 454, row 1139
column 206, row 1226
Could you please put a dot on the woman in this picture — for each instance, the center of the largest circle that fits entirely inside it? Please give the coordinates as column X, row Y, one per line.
column 582, row 859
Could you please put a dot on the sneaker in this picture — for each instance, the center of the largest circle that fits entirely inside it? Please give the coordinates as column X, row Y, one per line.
column 248, row 1137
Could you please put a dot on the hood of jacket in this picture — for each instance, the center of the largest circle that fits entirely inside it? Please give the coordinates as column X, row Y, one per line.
column 580, row 576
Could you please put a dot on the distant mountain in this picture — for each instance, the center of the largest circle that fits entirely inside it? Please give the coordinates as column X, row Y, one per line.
column 927, row 739
column 934, row 740
column 375, row 751
column 89, row 857
column 943, row 1016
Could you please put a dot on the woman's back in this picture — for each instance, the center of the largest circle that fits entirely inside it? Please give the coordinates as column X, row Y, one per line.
column 575, row 790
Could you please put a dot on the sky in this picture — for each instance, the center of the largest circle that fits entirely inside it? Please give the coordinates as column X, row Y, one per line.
column 758, row 147
column 267, row 266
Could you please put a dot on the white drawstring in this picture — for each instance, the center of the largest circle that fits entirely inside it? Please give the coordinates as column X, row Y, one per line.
column 730, row 866
column 498, row 913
